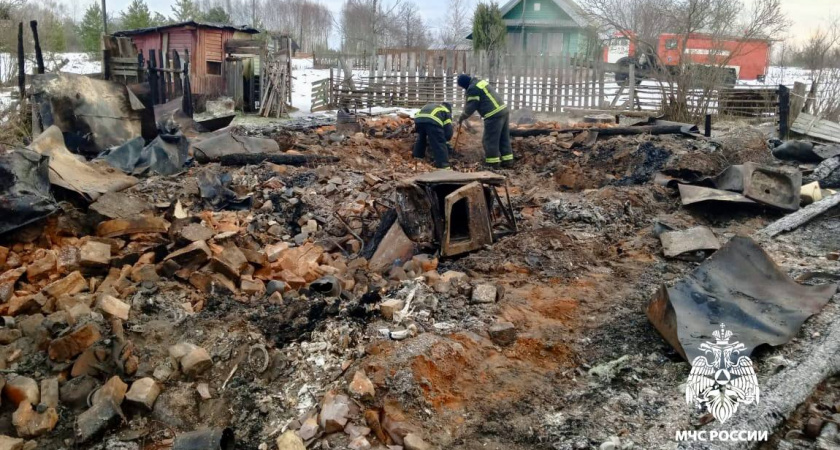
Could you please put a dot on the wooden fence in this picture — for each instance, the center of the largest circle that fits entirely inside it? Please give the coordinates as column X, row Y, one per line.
column 167, row 74
column 543, row 83
column 332, row 60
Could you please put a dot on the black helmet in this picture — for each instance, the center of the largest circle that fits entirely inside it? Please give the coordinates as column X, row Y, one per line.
column 448, row 106
column 464, row 80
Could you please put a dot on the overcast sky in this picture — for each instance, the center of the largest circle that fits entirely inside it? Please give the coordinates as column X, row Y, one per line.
column 806, row 15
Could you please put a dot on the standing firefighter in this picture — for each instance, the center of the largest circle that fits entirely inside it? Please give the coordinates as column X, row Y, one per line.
column 434, row 126
column 483, row 98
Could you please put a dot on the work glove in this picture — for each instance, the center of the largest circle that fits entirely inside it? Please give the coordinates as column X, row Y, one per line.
column 462, row 118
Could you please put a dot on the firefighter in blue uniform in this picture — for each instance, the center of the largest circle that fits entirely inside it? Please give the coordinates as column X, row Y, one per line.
column 490, row 105
column 434, row 127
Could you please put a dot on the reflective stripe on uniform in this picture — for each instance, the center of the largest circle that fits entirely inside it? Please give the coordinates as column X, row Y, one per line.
column 500, row 108
column 473, row 99
column 492, row 160
column 433, row 115
column 507, row 157
column 483, row 86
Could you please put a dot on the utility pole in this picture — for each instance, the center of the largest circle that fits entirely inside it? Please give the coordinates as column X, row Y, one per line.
column 104, row 19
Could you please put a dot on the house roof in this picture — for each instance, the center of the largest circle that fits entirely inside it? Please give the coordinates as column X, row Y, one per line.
column 568, row 6
column 197, row 24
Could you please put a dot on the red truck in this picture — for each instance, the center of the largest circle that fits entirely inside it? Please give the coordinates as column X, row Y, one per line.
column 742, row 59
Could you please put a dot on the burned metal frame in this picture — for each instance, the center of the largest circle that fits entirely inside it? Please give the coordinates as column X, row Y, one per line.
column 490, row 183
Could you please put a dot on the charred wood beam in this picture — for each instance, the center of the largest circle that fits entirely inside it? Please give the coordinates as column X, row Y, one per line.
column 244, row 159
column 39, row 57
column 21, row 63
column 614, row 131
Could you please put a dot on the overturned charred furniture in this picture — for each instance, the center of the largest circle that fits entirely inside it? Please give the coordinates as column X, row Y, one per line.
column 461, row 212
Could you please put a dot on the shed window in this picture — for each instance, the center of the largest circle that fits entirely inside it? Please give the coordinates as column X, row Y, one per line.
column 536, row 6
column 671, row 44
column 214, row 68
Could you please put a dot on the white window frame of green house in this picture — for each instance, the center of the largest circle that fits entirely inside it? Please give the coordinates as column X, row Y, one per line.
column 537, row 6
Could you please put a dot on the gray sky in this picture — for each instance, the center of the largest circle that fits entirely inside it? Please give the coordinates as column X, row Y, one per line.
column 806, row 15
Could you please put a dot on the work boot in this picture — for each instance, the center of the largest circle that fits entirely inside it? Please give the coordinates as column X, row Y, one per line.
column 492, row 166
column 507, row 164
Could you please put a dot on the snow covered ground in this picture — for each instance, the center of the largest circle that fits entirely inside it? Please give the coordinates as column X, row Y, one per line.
column 303, row 76
column 68, row 62
column 80, row 63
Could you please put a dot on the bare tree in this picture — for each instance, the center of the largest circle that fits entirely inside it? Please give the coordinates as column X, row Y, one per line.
column 721, row 21
column 457, row 25
column 412, row 29
column 821, row 55
column 308, row 22
column 367, row 25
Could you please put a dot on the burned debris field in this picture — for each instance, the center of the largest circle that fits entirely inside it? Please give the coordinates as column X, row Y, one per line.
column 306, row 286
column 233, row 237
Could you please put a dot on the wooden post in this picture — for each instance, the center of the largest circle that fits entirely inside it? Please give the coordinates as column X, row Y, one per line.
column 104, row 19
column 141, row 65
column 784, row 112
column 39, row 58
column 797, row 101
column 162, row 78
column 601, row 95
column 106, row 64
column 153, row 81
column 186, row 100
column 708, row 128
column 176, row 63
column 252, row 81
column 21, row 64
column 631, row 85
column 330, row 98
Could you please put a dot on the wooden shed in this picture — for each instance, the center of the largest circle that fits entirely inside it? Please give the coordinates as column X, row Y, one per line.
column 206, row 45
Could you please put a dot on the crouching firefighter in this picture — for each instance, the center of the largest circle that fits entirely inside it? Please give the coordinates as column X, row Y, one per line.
column 434, row 127
column 483, row 98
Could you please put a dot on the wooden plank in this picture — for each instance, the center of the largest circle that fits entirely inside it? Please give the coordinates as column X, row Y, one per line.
column 806, row 122
column 404, row 77
column 125, row 73
column 530, row 67
column 517, row 81
column 248, row 46
column 546, row 85
column 132, row 60
column 555, row 79
column 587, row 88
column 564, row 83
column 600, row 76
column 411, row 84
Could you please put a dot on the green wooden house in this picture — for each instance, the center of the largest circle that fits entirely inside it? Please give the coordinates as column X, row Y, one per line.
column 546, row 27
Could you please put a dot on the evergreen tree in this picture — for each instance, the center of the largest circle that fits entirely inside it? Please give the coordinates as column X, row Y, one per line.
column 217, row 14
column 137, row 15
column 160, row 20
column 489, row 31
column 90, row 29
column 54, row 40
column 184, row 10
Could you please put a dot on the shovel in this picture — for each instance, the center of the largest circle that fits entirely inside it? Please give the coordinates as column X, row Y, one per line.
column 457, row 139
